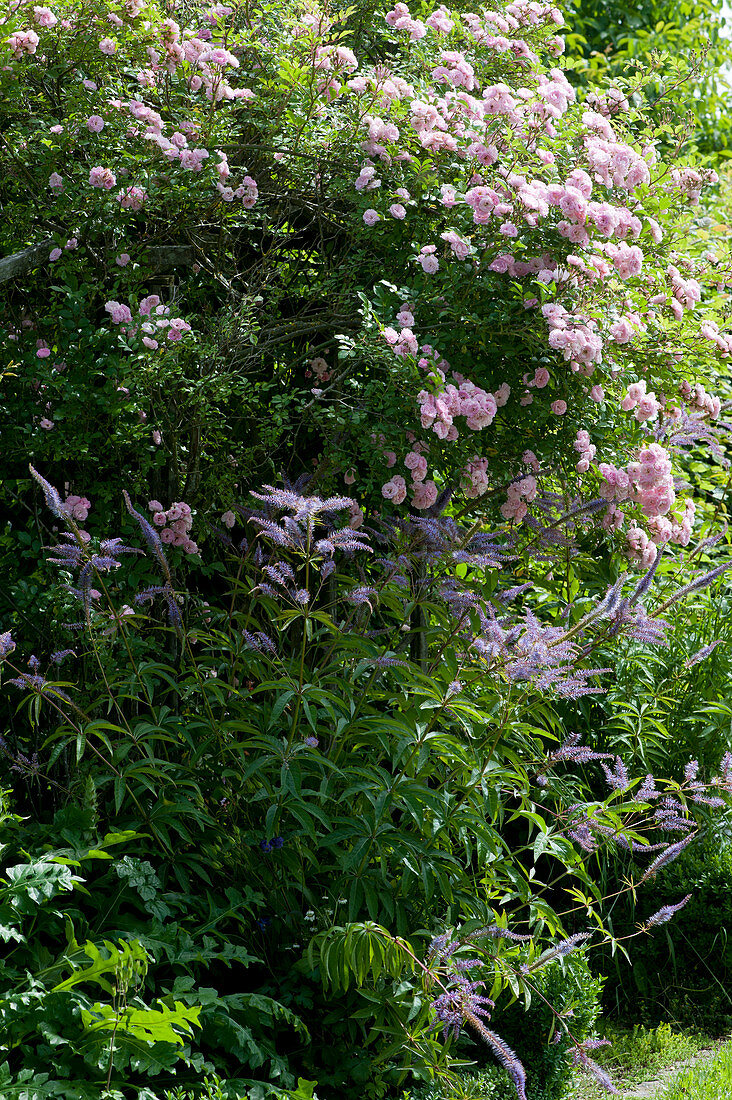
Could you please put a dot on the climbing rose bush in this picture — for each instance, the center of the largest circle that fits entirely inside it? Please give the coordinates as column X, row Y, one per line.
column 534, row 314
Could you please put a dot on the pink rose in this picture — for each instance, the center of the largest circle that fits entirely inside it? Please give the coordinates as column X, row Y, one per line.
column 395, row 490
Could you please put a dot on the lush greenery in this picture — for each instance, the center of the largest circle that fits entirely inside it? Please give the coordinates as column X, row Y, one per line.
column 641, row 1054
column 368, row 795
column 710, row 1081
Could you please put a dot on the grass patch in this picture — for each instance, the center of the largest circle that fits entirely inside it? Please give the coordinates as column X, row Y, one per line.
column 638, row 1055
column 711, row 1081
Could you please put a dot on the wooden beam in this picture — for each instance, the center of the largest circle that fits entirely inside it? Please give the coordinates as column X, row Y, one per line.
column 20, row 263
column 160, row 258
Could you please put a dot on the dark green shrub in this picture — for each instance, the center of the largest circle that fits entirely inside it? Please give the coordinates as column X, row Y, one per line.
column 571, row 989
column 682, row 971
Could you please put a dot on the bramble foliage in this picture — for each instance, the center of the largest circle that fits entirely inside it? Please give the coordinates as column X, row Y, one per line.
column 126, row 1007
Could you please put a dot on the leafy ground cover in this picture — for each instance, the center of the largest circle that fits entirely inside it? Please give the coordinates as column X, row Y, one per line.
column 637, row 1055
column 710, row 1081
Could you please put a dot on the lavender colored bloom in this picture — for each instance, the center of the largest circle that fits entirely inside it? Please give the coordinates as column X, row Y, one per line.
column 666, row 857
column 691, row 771
column 268, row 590
column 531, row 652
column 312, row 742
column 558, row 951
column 442, row 947
column 700, row 582
column 645, row 582
column 638, row 625
column 302, row 597
column 582, row 836
column 574, row 753
column 53, row 500
column 714, row 803
column 617, row 777
column 702, row 653
column 151, row 538
column 389, row 662
column 500, row 934
column 274, row 572
column 671, row 821
column 460, row 1001
column 711, row 540
column 579, row 1058
column 647, row 791
column 343, row 539
column 171, row 603
column 361, row 594
column 61, row 655
column 724, row 779
column 302, row 507
column 7, row 645
column 509, row 594
column 258, row 640
column 666, row 912
column 505, row 1056
column 274, row 532
column 113, row 547
column 460, row 966
column 609, row 603
column 691, row 429
column 27, row 766
column 39, row 685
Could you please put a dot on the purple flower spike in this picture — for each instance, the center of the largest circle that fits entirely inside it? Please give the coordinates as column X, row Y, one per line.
column 53, row 500
column 666, row 912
